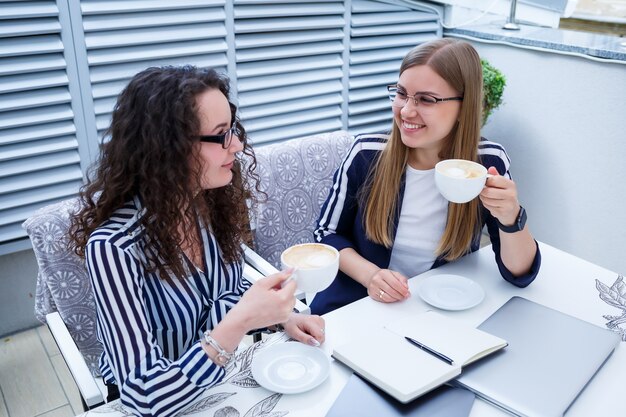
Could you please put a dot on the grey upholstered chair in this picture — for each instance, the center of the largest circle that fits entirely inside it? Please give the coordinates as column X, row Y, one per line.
column 295, row 175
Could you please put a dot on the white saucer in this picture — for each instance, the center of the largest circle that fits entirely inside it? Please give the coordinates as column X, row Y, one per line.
column 290, row 368
column 450, row 292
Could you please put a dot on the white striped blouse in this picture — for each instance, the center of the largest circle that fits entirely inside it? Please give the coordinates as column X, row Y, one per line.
column 150, row 328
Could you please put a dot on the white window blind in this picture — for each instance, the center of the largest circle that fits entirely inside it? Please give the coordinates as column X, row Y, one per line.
column 117, row 39
column 39, row 155
column 297, row 68
column 289, row 67
column 380, row 35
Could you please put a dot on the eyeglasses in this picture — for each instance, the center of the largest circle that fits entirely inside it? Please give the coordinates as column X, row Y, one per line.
column 426, row 102
column 225, row 139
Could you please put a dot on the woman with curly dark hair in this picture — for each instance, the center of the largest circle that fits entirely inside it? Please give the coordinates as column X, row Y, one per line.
column 161, row 226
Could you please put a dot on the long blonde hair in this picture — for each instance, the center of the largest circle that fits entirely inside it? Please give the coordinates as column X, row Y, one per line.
column 458, row 63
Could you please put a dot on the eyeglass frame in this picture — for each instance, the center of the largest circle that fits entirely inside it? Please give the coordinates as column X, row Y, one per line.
column 408, row 96
column 221, row 139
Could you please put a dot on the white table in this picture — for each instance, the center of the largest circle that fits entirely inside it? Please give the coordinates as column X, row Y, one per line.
column 565, row 283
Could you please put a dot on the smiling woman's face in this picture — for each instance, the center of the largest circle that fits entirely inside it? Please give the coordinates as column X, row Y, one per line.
column 420, row 129
column 216, row 162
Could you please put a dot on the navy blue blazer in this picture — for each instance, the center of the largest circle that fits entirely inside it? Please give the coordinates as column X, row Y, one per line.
column 341, row 220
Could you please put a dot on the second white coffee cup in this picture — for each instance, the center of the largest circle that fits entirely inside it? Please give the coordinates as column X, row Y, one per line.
column 459, row 180
column 316, row 265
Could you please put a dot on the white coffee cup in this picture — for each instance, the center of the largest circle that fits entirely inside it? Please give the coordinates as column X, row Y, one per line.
column 316, row 265
column 460, row 181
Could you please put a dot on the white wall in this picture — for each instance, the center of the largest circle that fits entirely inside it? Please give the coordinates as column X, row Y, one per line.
column 563, row 122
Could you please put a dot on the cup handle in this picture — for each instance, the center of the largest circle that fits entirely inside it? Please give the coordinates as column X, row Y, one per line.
column 291, row 277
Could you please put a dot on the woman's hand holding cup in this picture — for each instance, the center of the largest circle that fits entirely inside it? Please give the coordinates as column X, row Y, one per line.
column 500, row 197
column 267, row 302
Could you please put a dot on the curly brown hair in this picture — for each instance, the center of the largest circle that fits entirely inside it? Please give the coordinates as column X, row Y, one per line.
column 150, row 154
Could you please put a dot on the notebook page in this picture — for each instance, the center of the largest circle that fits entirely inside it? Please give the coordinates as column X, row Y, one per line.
column 460, row 342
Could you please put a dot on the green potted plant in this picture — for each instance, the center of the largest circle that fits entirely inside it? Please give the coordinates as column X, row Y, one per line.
column 493, row 87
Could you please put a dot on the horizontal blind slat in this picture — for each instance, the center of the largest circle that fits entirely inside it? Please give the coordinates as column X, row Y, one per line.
column 248, row 113
column 290, row 23
column 31, row 9
column 91, row 7
column 278, row 80
column 38, row 163
column 14, row 28
column 24, row 82
column 36, row 132
column 31, row 63
column 158, row 51
column 26, row 117
column 253, row 69
column 32, row 99
column 39, row 195
column 142, row 36
column 258, row 40
column 152, row 19
column 40, row 147
column 289, row 51
column 287, row 9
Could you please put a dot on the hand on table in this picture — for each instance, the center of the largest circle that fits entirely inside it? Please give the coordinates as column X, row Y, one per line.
column 388, row 286
column 309, row 329
column 500, row 197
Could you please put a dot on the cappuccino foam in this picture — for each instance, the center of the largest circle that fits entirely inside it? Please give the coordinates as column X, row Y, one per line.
column 309, row 256
column 460, row 172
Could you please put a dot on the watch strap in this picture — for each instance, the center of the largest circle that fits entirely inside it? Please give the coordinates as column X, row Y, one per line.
column 519, row 224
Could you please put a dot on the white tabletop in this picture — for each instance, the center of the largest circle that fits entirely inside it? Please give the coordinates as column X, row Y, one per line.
column 565, row 283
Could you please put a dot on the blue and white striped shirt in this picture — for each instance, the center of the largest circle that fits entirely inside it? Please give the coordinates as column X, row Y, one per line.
column 150, row 328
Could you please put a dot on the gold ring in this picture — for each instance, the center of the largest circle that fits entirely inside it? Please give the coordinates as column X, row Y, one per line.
column 380, row 294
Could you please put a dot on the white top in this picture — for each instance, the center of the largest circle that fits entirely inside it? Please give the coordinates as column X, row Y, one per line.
column 421, row 225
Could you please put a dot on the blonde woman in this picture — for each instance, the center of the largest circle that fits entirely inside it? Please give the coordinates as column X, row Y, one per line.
column 384, row 213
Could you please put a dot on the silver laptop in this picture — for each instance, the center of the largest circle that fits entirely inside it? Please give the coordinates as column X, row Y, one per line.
column 550, row 359
column 362, row 399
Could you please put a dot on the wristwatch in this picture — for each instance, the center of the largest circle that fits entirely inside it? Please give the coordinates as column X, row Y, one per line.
column 519, row 224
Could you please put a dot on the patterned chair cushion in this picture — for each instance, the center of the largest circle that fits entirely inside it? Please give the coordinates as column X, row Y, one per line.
column 296, row 175
column 62, row 281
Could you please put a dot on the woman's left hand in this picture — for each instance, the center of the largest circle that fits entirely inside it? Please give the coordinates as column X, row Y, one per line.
column 500, row 197
column 306, row 328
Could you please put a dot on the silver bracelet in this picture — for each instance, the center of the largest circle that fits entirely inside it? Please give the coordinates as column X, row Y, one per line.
column 223, row 358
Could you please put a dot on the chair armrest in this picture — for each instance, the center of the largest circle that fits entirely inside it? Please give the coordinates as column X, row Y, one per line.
column 85, row 382
column 263, row 267
column 258, row 262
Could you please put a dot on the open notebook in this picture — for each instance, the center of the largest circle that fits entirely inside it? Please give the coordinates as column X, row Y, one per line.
column 405, row 371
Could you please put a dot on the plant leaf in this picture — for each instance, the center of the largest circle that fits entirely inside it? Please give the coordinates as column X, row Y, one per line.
column 206, row 403
column 614, row 295
column 244, row 379
column 264, row 407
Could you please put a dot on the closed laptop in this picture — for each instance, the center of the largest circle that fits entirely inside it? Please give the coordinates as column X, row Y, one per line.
column 550, row 359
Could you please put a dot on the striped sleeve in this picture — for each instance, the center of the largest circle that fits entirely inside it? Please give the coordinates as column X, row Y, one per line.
column 493, row 154
column 340, row 208
column 149, row 382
